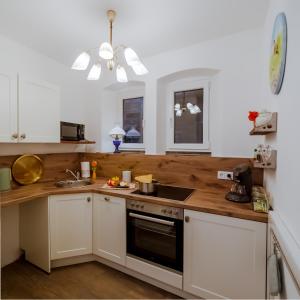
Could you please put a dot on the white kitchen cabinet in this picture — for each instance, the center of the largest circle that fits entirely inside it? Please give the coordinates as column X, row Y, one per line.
column 109, row 228
column 224, row 257
column 8, row 107
column 30, row 110
column 39, row 111
column 70, row 225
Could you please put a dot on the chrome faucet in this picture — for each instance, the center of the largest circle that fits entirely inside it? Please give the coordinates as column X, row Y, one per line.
column 76, row 176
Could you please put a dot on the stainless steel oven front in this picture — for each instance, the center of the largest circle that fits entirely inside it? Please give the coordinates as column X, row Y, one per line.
column 155, row 233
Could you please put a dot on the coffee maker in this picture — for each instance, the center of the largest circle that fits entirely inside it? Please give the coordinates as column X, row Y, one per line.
column 241, row 189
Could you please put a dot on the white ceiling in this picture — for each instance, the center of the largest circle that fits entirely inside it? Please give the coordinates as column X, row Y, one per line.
column 63, row 28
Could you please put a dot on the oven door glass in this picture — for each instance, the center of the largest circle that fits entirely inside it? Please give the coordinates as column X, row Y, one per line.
column 155, row 238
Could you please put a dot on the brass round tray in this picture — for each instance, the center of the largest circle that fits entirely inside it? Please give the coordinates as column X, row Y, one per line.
column 27, row 169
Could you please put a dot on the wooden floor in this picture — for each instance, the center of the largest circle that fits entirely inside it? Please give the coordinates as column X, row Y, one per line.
column 84, row 281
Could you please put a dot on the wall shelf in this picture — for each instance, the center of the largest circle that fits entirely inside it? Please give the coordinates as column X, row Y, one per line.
column 270, row 127
column 85, row 142
column 270, row 164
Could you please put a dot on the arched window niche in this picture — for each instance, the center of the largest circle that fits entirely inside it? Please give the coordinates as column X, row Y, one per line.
column 185, row 110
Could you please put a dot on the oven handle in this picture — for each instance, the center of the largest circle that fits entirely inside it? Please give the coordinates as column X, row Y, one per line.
column 155, row 220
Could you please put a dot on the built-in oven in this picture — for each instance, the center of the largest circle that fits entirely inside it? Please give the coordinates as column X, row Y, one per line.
column 155, row 233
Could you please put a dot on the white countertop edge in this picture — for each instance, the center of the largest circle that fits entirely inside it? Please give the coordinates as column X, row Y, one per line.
column 290, row 247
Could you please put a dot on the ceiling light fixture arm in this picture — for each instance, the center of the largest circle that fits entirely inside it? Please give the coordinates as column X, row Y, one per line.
column 111, row 14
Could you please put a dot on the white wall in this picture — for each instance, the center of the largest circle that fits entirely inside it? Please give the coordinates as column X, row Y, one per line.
column 238, row 59
column 283, row 183
column 76, row 92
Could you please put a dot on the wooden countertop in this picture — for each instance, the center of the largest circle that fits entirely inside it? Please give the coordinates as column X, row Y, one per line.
column 205, row 200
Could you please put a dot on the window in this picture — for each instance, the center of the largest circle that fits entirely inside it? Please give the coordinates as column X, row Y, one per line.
column 188, row 115
column 188, row 127
column 133, row 120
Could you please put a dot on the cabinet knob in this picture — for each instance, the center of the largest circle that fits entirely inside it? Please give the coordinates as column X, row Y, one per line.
column 23, row 136
column 186, row 219
column 14, row 136
column 88, row 199
column 106, row 198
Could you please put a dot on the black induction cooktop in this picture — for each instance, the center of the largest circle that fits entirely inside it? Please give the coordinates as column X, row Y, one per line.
column 170, row 192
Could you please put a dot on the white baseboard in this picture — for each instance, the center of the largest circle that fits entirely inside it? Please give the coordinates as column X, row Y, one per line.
column 62, row 262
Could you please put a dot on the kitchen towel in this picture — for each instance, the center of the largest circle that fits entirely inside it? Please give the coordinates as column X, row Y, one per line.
column 274, row 275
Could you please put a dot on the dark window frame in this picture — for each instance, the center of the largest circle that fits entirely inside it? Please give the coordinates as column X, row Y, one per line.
column 142, row 120
column 184, row 102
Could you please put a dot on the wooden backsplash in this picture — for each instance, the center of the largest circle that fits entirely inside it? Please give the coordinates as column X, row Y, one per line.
column 197, row 171
column 54, row 164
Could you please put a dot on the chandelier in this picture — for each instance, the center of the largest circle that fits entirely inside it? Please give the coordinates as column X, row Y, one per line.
column 111, row 57
column 193, row 109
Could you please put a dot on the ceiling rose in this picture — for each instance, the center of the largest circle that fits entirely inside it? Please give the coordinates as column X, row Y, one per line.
column 111, row 58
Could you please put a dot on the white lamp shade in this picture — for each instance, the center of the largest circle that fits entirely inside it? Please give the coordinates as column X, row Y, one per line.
column 121, row 74
column 133, row 133
column 189, row 105
column 197, row 109
column 177, row 106
column 106, row 51
column 179, row 113
column 81, row 62
column 117, row 132
column 131, row 57
column 95, row 72
column 139, row 69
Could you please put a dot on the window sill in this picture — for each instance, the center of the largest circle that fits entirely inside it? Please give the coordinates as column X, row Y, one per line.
column 190, row 152
column 132, row 146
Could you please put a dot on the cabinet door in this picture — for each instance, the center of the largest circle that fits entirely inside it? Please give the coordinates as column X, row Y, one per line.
column 39, row 111
column 109, row 228
column 8, row 108
column 70, row 225
column 224, row 257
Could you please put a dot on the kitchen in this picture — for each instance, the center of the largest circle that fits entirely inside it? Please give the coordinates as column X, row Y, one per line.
column 180, row 119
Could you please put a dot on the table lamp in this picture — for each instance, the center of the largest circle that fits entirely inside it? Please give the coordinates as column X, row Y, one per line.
column 117, row 133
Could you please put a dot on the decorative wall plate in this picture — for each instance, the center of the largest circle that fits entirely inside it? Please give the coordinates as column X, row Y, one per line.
column 27, row 169
column 278, row 53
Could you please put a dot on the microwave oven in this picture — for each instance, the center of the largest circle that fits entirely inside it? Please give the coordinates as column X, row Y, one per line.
column 71, row 131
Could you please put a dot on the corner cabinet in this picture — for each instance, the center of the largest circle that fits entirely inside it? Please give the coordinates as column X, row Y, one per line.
column 70, row 225
column 109, row 228
column 224, row 257
column 30, row 110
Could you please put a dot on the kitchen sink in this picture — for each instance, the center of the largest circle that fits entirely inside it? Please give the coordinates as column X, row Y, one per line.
column 73, row 183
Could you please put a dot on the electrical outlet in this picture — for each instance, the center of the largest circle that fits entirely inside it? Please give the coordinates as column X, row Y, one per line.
column 225, row 175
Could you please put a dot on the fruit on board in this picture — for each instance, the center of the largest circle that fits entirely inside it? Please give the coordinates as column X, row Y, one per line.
column 114, row 181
